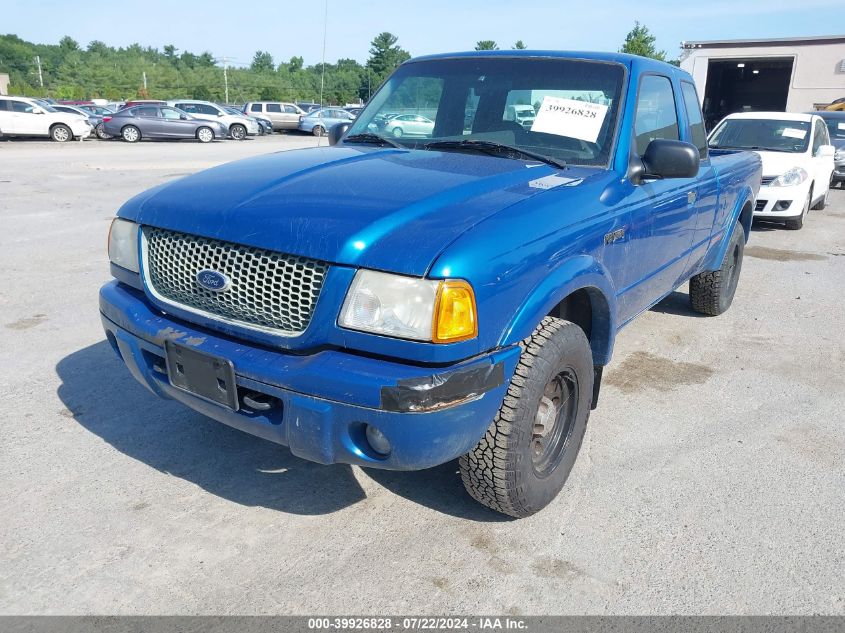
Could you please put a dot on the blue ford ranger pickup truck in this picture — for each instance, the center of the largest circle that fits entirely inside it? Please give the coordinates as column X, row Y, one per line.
column 443, row 280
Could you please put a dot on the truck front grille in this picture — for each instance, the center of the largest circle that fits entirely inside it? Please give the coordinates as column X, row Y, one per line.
column 266, row 290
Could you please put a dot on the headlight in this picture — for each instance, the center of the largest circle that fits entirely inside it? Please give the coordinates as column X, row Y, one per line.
column 839, row 155
column 123, row 244
column 791, row 178
column 410, row 308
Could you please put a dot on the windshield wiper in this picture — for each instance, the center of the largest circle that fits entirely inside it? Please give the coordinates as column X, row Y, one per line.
column 375, row 139
column 495, row 149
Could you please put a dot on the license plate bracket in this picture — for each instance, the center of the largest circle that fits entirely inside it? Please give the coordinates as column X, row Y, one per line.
column 209, row 377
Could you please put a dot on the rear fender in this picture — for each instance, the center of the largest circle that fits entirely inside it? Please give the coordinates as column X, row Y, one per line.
column 579, row 273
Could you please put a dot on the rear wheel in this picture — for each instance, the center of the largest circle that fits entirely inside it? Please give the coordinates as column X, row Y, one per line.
column 130, row 134
column 795, row 224
column 713, row 292
column 205, row 135
column 318, row 130
column 238, row 132
column 522, row 462
column 61, row 133
column 101, row 132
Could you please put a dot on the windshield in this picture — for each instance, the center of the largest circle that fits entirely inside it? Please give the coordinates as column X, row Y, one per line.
column 762, row 134
column 494, row 99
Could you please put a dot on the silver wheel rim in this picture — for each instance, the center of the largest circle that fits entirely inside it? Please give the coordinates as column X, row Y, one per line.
column 130, row 134
column 205, row 135
column 237, row 132
column 60, row 134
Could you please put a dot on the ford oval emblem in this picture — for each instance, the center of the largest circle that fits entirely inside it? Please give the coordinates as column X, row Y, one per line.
column 213, row 280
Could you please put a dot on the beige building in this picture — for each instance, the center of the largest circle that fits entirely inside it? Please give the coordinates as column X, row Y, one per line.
column 788, row 74
column 4, row 84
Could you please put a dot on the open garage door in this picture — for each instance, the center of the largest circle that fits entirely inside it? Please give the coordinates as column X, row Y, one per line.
column 746, row 85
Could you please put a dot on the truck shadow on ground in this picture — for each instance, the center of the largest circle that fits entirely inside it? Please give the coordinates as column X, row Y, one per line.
column 99, row 393
column 676, row 303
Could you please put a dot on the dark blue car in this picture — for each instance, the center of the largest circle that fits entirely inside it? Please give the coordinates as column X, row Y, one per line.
column 401, row 302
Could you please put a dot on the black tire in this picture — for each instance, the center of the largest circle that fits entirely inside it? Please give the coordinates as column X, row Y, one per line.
column 821, row 204
column 796, row 224
column 522, row 462
column 205, row 134
column 713, row 292
column 61, row 133
column 397, row 132
column 237, row 132
column 101, row 132
column 318, row 130
column 130, row 134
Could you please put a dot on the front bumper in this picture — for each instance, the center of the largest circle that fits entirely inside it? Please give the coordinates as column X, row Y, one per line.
column 326, row 398
column 781, row 202
column 839, row 171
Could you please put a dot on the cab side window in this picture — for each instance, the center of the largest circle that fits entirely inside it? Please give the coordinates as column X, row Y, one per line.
column 255, row 107
column 696, row 123
column 656, row 115
column 22, row 106
column 274, row 107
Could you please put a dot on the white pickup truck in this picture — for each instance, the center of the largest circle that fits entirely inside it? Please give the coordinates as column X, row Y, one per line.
column 21, row 116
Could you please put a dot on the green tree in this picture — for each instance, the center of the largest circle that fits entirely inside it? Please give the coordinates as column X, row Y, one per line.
column 67, row 43
column 201, row 92
column 295, row 64
column 640, row 41
column 385, row 55
column 486, row 45
column 270, row 93
column 520, row 45
column 170, row 51
column 262, row 61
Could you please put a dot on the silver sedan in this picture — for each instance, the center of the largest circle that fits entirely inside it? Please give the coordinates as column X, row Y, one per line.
column 409, row 125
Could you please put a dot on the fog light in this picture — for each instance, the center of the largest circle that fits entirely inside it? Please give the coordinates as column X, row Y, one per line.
column 378, row 442
column 782, row 205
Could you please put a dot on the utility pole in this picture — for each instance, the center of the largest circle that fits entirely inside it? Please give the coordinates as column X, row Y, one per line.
column 40, row 76
column 144, row 73
column 226, row 78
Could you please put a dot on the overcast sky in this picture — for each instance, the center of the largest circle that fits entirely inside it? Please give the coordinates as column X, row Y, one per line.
column 286, row 28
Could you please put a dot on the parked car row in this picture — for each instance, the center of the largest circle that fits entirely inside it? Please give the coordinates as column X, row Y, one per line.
column 22, row 116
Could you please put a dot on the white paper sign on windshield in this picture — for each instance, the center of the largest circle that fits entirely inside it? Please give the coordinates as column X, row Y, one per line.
column 792, row 132
column 841, row 126
column 568, row 117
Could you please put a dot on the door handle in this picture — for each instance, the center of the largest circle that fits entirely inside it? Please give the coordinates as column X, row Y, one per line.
column 691, row 196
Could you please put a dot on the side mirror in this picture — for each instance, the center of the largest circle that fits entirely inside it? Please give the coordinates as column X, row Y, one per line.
column 665, row 158
column 221, row 114
column 183, row 117
column 38, row 111
column 337, row 131
column 826, row 151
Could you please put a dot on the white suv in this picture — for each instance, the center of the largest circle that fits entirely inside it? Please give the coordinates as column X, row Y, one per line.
column 239, row 126
column 20, row 116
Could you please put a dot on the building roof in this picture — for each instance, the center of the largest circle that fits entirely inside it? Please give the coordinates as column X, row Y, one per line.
column 776, row 41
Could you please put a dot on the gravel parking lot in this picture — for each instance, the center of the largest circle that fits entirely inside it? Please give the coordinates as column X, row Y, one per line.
column 711, row 478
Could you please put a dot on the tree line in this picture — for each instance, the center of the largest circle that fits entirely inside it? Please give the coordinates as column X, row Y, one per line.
column 68, row 70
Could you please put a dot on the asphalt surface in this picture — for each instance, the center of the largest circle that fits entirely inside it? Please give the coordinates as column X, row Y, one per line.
column 711, row 478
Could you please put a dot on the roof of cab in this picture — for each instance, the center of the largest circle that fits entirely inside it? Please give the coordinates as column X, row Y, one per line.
column 622, row 58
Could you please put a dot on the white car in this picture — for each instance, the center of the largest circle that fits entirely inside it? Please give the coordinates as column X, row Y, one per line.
column 20, row 116
column 239, row 126
column 797, row 160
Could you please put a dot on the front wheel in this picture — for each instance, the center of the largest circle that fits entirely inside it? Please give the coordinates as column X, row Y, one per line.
column 821, row 204
column 61, row 133
column 205, row 135
column 796, row 224
column 131, row 134
column 713, row 292
column 237, row 132
column 522, row 462
column 397, row 132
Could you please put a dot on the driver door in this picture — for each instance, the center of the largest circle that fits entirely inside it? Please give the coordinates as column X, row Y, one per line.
column 25, row 121
column 173, row 126
column 822, row 166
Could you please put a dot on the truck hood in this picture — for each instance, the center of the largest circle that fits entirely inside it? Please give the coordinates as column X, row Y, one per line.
column 380, row 208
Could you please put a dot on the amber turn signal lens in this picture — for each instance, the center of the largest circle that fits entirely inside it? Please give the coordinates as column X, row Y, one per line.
column 454, row 313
